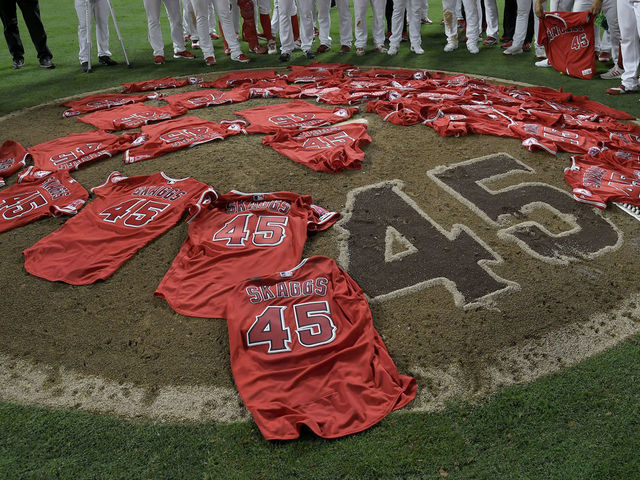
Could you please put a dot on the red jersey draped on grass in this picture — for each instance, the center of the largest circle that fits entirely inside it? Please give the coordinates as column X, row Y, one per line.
column 127, row 214
column 103, row 101
column 327, row 149
column 596, row 185
column 12, row 159
column 304, row 351
column 278, row 89
column 159, row 84
column 43, row 194
column 240, row 235
column 186, row 132
column 131, row 116
column 234, row 79
column 207, row 98
column 297, row 114
column 538, row 137
column 78, row 149
column 569, row 41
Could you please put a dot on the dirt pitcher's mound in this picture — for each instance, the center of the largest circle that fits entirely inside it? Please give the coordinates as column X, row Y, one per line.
column 481, row 269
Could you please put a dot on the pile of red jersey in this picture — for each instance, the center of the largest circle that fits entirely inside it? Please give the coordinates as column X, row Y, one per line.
column 301, row 335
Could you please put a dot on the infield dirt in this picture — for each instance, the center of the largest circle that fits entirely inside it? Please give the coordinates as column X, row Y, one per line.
column 481, row 268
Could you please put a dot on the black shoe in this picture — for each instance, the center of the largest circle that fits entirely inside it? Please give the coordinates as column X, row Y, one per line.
column 84, row 67
column 309, row 54
column 46, row 63
column 106, row 60
column 18, row 63
column 285, row 57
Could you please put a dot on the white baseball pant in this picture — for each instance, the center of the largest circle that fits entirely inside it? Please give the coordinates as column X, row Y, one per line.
column 360, row 8
column 100, row 11
column 201, row 10
column 629, row 22
column 324, row 22
column 413, row 9
column 172, row 7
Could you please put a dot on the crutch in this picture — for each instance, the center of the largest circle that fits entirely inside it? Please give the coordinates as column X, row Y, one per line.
column 87, row 13
column 115, row 24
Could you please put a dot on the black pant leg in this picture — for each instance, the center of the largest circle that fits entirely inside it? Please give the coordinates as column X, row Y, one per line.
column 31, row 13
column 509, row 15
column 388, row 13
column 11, row 32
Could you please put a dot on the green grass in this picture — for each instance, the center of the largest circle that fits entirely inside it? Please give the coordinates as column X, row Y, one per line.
column 33, row 85
column 581, row 423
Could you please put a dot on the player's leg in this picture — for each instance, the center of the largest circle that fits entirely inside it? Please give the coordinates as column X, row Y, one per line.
column 249, row 32
column 9, row 16
column 450, row 24
column 305, row 15
column 346, row 24
column 152, row 8
column 228, row 30
column 175, row 23
column 377, row 25
column 629, row 43
column 397, row 23
column 522, row 20
column 610, row 9
column 415, row 12
column 83, row 44
column 324, row 25
column 472, row 20
column 264, row 10
column 201, row 12
column 31, row 14
column 285, row 28
column 493, row 23
column 101, row 15
column 360, row 8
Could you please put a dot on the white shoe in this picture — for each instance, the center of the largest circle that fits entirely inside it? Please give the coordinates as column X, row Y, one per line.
column 381, row 49
column 614, row 72
column 271, row 47
column 450, row 46
column 393, row 50
column 540, row 53
column 473, row 47
column 512, row 50
column 297, row 45
column 360, row 51
column 417, row 50
column 543, row 63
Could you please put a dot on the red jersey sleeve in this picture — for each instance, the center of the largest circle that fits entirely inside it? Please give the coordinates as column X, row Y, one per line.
column 12, row 159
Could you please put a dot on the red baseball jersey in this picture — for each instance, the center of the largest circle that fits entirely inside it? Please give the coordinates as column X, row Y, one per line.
column 12, row 159
column 127, row 213
column 234, row 79
column 131, row 116
column 185, row 132
column 159, row 84
column 43, row 194
column 330, row 149
column 304, row 351
column 78, row 149
column 240, row 235
column 598, row 184
column 538, row 137
column 278, row 89
column 207, row 98
column 569, row 41
column 102, row 101
column 296, row 114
